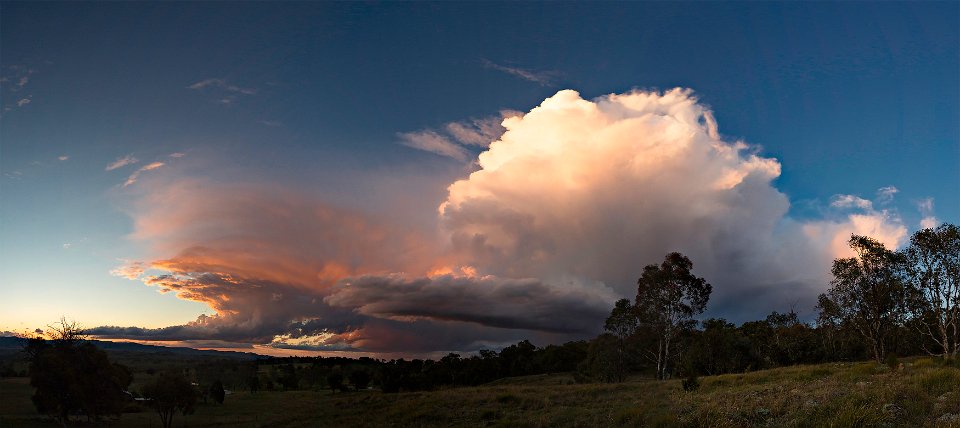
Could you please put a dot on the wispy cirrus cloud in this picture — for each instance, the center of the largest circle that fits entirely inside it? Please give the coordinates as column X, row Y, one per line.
column 542, row 78
column 228, row 92
column 929, row 220
column 222, row 84
column 454, row 138
column 136, row 174
column 850, row 201
column 121, row 162
column 885, row 194
column 130, row 269
column 430, row 141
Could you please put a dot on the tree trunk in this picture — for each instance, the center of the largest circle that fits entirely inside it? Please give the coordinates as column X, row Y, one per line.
column 666, row 359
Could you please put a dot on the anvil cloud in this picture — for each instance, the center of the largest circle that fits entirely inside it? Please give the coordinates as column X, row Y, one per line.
column 555, row 222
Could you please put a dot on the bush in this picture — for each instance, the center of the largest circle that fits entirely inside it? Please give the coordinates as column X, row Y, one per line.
column 217, row 392
column 892, row 361
column 335, row 382
column 360, row 378
column 691, row 383
column 169, row 393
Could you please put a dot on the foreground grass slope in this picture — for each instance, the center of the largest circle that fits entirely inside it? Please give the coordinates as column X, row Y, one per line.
column 921, row 393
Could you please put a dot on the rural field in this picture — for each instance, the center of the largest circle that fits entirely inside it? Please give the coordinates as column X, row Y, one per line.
column 923, row 392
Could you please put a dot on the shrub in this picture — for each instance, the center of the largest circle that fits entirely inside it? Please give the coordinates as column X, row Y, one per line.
column 892, row 361
column 691, row 383
column 335, row 382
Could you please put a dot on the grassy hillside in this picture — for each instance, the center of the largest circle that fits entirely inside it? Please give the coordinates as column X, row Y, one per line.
column 922, row 393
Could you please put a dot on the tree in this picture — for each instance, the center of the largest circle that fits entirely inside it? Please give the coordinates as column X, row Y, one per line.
column 933, row 273
column 867, row 292
column 72, row 376
column 601, row 359
column 169, row 393
column 719, row 348
column 668, row 297
column 335, row 381
column 360, row 378
column 622, row 323
column 217, row 392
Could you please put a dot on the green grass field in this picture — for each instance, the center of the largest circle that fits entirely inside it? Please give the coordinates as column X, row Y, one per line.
column 922, row 393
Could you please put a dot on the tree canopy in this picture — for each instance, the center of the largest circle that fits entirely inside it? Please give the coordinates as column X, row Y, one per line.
column 169, row 393
column 74, row 377
column 669, row 295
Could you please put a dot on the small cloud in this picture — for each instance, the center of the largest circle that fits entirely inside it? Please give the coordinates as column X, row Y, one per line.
column 434, row 143
column 851, row 201
column 885, row 194
column 271, row 123
column 543, row 78
column 122, row 162
column 136, row 174
column 929, row 222
column 130, row 269
column 63, row 158
column 15, row 175
column 177, row 155
column 21, row 77
column 23, row 102
column 152, row 166
column 67, row 246
column 925, row 206
column 222, row 84
column 204, row 83
column 479, row 132
column 474, row 132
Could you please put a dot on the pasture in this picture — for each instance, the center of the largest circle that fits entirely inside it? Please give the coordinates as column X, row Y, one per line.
column 923, row 392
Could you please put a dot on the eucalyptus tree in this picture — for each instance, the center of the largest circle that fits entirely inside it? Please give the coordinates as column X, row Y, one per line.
column 622, row 323
column 867, row 292
column 668, row 297
column 933, row 273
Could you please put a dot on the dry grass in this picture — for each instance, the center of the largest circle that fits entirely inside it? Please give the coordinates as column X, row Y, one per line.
column 922, row 393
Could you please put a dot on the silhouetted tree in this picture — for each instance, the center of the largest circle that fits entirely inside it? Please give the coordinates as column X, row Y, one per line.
column 217, row 392
column 867, row 291
column 72, row 376
column 601, row 361
column 668, row 297
column 518, row 360
column 169, row 393
column 360, row 378
column 719, row 348
column 335, row 381
column 933, row 272
column 622, row 323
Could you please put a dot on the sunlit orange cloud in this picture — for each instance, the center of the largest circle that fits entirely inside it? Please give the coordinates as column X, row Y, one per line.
column 257, row 232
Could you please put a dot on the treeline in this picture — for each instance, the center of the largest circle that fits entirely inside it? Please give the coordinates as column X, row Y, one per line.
column 880, row 304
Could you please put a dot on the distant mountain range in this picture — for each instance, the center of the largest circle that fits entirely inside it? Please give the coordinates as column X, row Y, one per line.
column 9, row 344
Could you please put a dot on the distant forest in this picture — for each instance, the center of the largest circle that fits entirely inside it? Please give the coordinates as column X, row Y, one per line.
column 881, row 304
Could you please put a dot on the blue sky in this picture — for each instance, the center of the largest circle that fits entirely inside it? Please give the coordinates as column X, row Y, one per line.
column 317, row 98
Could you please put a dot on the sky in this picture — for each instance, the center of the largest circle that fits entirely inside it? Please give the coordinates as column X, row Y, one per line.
column 418, row 178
